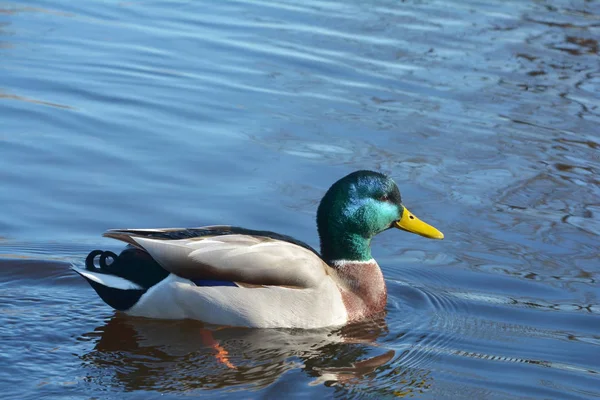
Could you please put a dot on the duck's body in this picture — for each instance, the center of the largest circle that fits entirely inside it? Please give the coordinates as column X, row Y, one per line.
column 234, row 276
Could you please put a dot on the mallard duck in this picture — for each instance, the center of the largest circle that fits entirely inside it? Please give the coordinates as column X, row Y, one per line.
column 227, row 275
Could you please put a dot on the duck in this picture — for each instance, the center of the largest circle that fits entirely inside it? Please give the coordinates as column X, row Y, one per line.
column 232, row 276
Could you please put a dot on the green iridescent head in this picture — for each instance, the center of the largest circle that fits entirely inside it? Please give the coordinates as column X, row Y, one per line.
column 358, row 207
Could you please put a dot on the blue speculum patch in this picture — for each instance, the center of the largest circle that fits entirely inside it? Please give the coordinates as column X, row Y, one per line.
column 213, row 282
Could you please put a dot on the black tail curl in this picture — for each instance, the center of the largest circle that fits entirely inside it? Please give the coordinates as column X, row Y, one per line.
column 119, row 299
column 133, row 264
column 103, row 266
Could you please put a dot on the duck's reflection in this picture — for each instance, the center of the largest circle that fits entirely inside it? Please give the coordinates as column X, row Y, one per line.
column 141, row 354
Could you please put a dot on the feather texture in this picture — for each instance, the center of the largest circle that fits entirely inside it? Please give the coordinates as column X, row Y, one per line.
column 264, row 307
column 221, row 253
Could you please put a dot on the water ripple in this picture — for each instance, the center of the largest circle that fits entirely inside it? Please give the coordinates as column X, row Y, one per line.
column 192, row 113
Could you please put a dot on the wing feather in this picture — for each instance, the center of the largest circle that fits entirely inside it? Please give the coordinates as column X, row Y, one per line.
column 248, row 259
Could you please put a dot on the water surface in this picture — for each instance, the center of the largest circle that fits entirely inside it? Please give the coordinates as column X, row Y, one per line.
column 189, row 113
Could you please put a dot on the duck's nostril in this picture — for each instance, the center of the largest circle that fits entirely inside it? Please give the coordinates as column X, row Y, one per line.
column 411, row 217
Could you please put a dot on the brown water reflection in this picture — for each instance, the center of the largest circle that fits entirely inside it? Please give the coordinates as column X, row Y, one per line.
column 137, row 353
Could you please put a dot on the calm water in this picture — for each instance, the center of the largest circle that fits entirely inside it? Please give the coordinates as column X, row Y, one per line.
column 187, row 113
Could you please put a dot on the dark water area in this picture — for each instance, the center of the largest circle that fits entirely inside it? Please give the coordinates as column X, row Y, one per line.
column 187, row 113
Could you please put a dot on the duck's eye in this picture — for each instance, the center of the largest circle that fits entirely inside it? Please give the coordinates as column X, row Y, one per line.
column 385, row 197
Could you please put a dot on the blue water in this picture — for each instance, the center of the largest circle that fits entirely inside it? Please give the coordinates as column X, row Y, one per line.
column 187, row 113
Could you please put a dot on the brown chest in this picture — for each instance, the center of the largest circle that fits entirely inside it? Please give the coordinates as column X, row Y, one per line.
column 362, row 287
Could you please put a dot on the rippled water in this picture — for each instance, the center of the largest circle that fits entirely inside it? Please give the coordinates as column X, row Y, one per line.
column 181, row 113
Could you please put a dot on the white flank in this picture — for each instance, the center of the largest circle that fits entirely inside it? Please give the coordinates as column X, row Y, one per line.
column 269, row 307
column 111, row 281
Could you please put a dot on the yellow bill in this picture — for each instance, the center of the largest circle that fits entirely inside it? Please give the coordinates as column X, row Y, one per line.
column 410, row 223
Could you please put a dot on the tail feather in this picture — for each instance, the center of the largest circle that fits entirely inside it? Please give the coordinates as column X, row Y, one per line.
column 133, row 264
column 117, row 292
column 111, row 281
column 122, row 281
